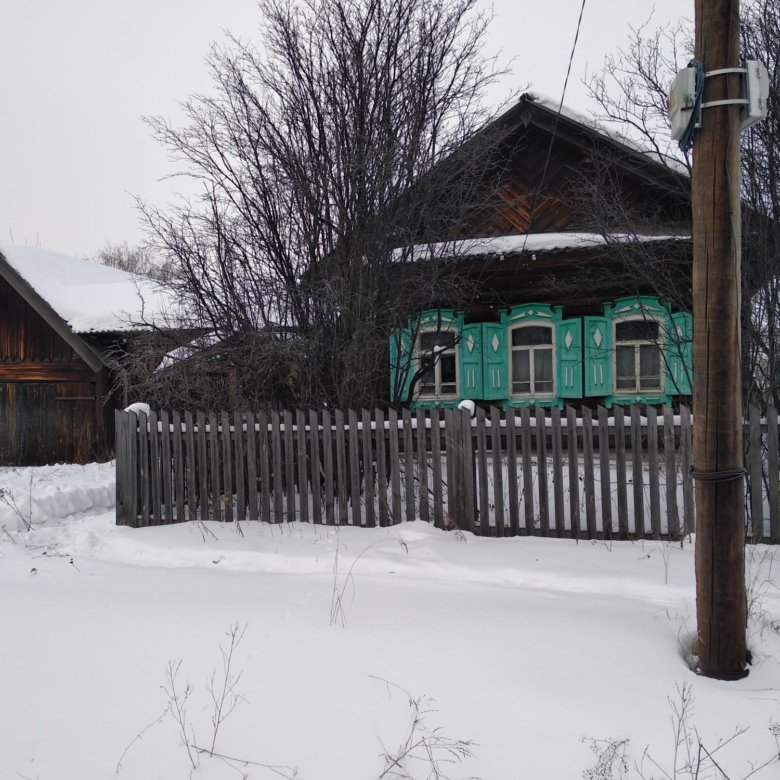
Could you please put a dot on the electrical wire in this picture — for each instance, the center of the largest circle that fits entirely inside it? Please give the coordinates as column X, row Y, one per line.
column 686, row 142
column 555, row 124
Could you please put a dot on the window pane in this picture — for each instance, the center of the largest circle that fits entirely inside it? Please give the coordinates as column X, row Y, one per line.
column 530, row 335
column 521, row 371
column 637, row 330
column 649, row 367
column 429, row 341
column 543, row 371
column 447, row 363
column 625, row 368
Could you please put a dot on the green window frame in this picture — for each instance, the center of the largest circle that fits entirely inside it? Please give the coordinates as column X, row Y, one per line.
column 532, row 359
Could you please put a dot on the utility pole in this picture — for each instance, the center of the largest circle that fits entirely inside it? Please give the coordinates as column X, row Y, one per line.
column 717, row 393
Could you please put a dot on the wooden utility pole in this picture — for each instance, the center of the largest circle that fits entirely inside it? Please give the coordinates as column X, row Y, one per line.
column 717, row 393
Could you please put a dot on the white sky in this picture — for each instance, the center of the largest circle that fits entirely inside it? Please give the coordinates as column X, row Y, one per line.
column 77, row 77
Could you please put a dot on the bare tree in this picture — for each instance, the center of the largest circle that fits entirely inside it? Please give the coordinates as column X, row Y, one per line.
column 631, row 92
column 138, row 259
column 318, row 161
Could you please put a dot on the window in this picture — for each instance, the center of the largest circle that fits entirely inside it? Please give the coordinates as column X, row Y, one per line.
column 532, row 360
column 436, row 353
column 637, row 356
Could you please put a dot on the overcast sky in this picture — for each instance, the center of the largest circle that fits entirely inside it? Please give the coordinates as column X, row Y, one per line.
column 77, row 76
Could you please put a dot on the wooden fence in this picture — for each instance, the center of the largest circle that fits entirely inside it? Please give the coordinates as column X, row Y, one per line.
column 622, row 473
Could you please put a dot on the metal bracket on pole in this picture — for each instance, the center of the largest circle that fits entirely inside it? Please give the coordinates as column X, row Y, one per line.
column 735, row 102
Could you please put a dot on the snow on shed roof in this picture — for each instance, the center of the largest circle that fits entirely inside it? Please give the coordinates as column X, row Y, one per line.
column 524, row 242
column 88, row 296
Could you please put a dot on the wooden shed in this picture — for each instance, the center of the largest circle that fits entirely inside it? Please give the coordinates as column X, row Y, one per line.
column 60, row 320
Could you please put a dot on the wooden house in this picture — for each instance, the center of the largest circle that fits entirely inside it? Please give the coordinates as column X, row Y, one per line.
column 62, row 321
column 582, row 258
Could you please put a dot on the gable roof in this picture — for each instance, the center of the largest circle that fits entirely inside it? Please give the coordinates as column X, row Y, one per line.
column 86, row 296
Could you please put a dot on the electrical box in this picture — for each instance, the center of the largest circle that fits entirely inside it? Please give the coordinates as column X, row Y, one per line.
column 682, row 97
column 756, row 92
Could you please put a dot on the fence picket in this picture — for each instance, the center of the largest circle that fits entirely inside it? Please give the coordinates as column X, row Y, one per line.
column 620, row 472
column 498, row 482
column 395, row 465
column 406, row 417
column 264, row 454
column 155, row 467
column 203, row 467
column 277, row 467
column 226, row 497
column 240, row 476
column 541, row 469
column 653, row 468
column 178, row 466
column 528, row 479
column 215, row 492
column 327, row 457
column 436, row 475
column 316, row 472
column 572, row 450
column 462, row 420
column 604, row 473
column 422, row 466
column 511, row 467
column 756, row 476
column 191, row 457
column 251, row 466
column 686, row 447
column 588, row 484
column 773, row 475
column 636, row 471
column 672, row 516
column 557, row 467
column 288, row 440
column 381, row 468
column 368, row 468
column 145, row 464
column 341, row 467
column 303, row 467
column 482, row 474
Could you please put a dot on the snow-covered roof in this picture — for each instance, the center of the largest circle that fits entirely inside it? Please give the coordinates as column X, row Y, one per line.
column 88, row 296
column 522, row 243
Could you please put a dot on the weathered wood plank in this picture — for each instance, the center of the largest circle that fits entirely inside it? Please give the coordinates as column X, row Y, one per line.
column 251, row 466
column 277, row 467
column 498, row 482
column 368, row 467
column 395, row 465
column 328, row 470
column 381, row 468
column 511, row 467
column 203, row 467
column 289, row 465
column 178, row 466
column 354, row 468
column 541, row 470
column 452, row 445
column 239, row 439
column 436, row 471
column 620, row 472
column 686, row 457
column 528, row 477
column 572, row 452
column 559, row 508
column 226, row 497
column 303, row 467
column 773, row 475
column 145, row 464
column 409, row 490
column 316, row 468
column 265, row 455
column 214, row 482
column 653, row 469
column 155, row 467
column 192, row 466
column 341, row 467
column 166, row 466
column 670, row 467
column 421, row 451
column 121, row 483
column 636, row 471
column 482, row 474
column 468, row 471
column 756, row 477
column 604, row 473
column 588, row 476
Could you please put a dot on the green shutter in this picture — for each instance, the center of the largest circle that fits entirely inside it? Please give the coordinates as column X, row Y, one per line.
column 470, row 353
column 494, row 359
column 679, row 354
column 598, row 356
column 569, row 347
column 401, row 364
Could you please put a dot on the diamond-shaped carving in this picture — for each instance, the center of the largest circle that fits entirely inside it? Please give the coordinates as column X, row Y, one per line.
column 495, row 342
column 530, row 311
column 597, row 337
column 568, row 339
column 470, row 343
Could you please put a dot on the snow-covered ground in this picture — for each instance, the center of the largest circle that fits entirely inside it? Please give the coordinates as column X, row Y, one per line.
column 527, row 647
